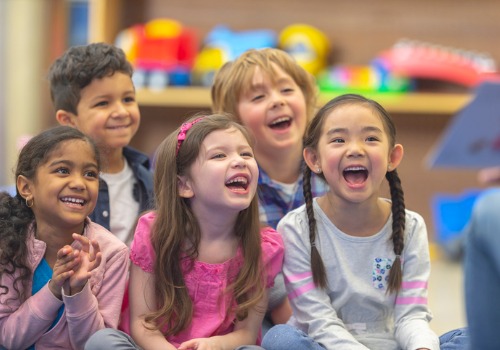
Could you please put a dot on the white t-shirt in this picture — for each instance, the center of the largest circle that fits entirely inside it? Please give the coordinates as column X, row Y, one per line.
column 123, row 207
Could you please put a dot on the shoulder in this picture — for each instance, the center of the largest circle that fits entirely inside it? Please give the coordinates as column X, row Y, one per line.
column 415, row 227
column 107, row 240
column 136, row 158
column 271, row 240
column 295, row 218
column 272, row 253
column 413, row 220
column 141, row 250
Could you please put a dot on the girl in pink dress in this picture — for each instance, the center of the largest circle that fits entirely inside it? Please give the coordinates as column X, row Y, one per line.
column 201, row 260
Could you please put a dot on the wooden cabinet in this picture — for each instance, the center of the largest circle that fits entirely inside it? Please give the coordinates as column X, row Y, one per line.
column 358, row 30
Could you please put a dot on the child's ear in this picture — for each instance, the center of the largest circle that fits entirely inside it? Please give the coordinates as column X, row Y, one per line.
column 23, row 187
column 312, row 161
column 395, row 157
column 184, row 187
column 65, row 118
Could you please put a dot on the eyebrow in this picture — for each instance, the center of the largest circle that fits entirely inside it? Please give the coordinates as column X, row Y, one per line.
column 70, row 163
column 280, row 80
column 344, row 130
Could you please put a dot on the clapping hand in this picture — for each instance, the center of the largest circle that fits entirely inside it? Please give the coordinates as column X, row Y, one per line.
column 90, row 257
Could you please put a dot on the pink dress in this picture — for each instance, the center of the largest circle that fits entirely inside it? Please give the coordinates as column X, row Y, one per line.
column 206, row 282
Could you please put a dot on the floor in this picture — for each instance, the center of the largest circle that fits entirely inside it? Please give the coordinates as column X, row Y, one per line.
column 446, row 297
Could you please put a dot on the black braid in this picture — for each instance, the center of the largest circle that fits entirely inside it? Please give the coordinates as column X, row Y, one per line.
column 398, row 228
column 317, row 266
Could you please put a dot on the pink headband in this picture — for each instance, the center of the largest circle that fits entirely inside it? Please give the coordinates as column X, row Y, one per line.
column 182, row 132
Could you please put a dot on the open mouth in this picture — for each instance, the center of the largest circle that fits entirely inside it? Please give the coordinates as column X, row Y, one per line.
column 281, row 123
column 73, row 201
column 239, row 183
column 355, row 175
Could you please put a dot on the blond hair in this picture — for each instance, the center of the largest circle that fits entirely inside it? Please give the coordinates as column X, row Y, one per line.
column 232, row 80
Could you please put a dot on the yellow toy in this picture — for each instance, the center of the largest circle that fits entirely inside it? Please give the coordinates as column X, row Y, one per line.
column 307, row 44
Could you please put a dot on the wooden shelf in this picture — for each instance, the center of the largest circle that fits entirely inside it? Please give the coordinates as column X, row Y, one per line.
column 411, row 103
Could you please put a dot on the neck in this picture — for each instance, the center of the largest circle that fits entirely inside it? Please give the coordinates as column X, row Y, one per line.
column 112, row 160
column 356, row 219
column 281, row 165
column 55, row 239
column 218, row 241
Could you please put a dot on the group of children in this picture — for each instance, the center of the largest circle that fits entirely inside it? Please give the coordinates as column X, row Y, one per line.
column 259, row 210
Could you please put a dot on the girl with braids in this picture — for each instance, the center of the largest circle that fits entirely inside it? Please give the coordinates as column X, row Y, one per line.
column 62, row 277
column 356, row 265
column 201, row 262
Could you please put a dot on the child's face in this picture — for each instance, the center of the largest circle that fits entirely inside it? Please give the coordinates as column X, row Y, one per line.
column 108, row 111
column 275, row 112
column 65, row 187
column 223, row 179
column 354, row 153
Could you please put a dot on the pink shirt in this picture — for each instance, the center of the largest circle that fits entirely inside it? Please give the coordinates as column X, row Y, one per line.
column 205, row 282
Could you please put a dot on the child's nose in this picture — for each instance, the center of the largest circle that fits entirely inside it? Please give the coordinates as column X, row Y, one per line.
column 355, row 149
column 119, row 110
column 277, row 100
column 239, row 162
column 77, row 182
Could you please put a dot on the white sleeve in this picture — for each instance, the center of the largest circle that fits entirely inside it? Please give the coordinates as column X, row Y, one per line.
column 411, row 313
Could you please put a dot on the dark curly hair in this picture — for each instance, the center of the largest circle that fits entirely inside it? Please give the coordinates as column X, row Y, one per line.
column 15, row 215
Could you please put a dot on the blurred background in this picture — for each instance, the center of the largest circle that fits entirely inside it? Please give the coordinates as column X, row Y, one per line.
column 422, row 60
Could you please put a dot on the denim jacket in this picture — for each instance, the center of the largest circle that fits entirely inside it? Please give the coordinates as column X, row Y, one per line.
column 143, row 189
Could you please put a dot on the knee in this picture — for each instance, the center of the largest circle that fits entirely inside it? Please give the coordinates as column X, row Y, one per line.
column 102, row 339
column 280, row 337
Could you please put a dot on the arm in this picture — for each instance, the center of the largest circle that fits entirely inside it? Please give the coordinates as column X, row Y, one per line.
column 312, row 308
column 142, row 298
column 87, row 312
column 38, row 312
column 22, row 324
column 245, row 333
column 411, row 313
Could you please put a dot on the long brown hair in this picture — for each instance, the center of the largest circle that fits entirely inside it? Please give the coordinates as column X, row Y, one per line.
column 176, row 232
column 311, row 139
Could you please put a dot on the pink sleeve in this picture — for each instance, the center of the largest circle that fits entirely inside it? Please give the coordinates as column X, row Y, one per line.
column 272, row 253
column 142, row 253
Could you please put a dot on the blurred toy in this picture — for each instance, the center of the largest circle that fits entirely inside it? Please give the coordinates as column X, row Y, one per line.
column 162, row 52
column 423, row 60
column 369, row 78
column 307, row 44
column 222, row 45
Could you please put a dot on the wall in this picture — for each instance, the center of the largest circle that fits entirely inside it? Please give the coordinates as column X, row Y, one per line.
column 23, row 50
column 358, row 30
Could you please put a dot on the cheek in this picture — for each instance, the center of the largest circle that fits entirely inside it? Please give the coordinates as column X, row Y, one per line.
column 93, row 189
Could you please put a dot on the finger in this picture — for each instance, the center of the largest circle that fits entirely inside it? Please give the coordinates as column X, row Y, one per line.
column 95, row 246
column 84, row 241
column 64, row 251
column 95, row 263
column 67, row 259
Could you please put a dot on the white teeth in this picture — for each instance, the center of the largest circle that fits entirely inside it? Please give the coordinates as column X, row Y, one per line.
column 238, row 180
column 73, row 200
column 355, row 168
column 280, row 120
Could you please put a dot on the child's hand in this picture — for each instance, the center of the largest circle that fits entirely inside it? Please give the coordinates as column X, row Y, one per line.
column 90, row 258
column 67, row 259
column 200, row 344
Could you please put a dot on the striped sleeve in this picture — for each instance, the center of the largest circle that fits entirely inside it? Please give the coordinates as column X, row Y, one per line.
column 412, row 315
